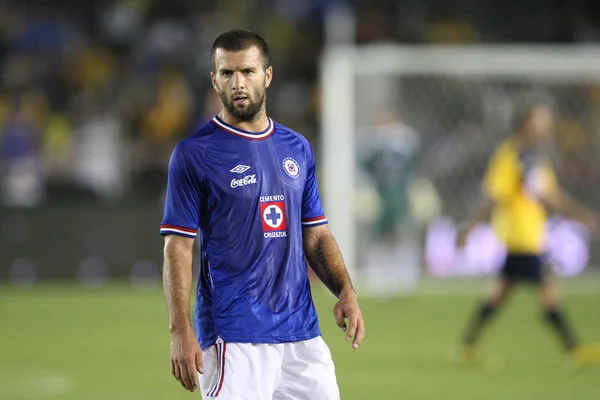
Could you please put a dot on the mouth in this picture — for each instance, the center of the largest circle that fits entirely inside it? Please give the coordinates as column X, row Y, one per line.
column 240, row 99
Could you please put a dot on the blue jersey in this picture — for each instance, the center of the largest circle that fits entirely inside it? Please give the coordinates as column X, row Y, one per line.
column 249, row 195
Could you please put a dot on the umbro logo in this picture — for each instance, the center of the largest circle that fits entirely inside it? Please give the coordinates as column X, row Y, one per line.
column 240, row 169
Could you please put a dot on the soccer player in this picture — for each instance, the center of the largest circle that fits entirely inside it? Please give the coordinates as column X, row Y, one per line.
column 518, row 186
column 248, row 185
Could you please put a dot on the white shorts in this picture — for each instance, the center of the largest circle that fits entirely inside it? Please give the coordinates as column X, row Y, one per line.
column 286, row 371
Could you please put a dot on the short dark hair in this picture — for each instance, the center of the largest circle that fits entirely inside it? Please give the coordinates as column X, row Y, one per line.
column 238, row 40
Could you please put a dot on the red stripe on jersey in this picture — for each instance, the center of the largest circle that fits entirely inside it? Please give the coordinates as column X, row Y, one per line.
column 249, row 135
column 322, row 217
column 181, row 228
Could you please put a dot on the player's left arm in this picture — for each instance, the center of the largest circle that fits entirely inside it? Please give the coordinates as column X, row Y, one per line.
column 561, row 202
column 325, row 258
column 556, row 198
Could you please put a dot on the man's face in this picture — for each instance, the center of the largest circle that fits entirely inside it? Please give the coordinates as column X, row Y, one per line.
column 241, row 81
column 540, row 126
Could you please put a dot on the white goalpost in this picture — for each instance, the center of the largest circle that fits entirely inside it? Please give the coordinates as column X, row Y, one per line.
column 443, row 91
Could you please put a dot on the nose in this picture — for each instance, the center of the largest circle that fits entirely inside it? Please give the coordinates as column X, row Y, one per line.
column 238, row 82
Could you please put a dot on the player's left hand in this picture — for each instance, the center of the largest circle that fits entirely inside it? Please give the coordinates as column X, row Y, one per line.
column 347, row 307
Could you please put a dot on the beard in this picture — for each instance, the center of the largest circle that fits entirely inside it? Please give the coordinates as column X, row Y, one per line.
column 247, row 113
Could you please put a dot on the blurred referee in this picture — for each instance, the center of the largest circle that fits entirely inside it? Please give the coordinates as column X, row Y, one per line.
column 519, row 185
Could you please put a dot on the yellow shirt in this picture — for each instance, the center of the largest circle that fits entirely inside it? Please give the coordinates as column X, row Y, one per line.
column 516, row 184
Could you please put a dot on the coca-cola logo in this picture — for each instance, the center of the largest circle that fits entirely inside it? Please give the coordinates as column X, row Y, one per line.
column 247, row 180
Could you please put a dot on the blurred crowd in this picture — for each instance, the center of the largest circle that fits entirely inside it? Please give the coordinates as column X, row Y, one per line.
column 94, row 94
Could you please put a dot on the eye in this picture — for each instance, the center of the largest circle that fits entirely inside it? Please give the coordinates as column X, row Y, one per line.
column 226, row 73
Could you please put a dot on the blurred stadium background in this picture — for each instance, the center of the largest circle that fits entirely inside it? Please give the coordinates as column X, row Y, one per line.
column 94, row 95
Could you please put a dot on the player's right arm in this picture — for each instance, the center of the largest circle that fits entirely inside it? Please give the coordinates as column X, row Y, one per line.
column 179, row 226
column 481, row 214
column 499, row 185
column 186, row 355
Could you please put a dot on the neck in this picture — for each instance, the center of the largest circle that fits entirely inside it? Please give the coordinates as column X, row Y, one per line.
column 258, row 124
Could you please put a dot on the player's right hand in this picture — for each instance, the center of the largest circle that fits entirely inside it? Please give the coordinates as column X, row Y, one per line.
column 186, row 359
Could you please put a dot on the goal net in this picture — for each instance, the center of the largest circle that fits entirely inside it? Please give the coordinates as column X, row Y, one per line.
column 406, row 136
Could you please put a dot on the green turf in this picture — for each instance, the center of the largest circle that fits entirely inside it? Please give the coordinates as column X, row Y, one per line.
column 63, row 342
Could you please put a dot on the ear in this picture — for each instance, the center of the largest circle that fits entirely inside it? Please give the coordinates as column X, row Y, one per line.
column 213, row 80
column 268, row 76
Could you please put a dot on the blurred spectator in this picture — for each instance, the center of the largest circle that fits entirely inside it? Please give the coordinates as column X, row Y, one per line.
column 99, row 149
column 21, row 150
column 389, row 155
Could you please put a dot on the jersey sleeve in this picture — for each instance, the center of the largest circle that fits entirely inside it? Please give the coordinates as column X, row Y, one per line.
column 501, row 181
column 312, row 211
column 182, row 205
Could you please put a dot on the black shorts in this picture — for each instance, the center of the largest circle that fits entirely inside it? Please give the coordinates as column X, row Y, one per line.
column 523, row 267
